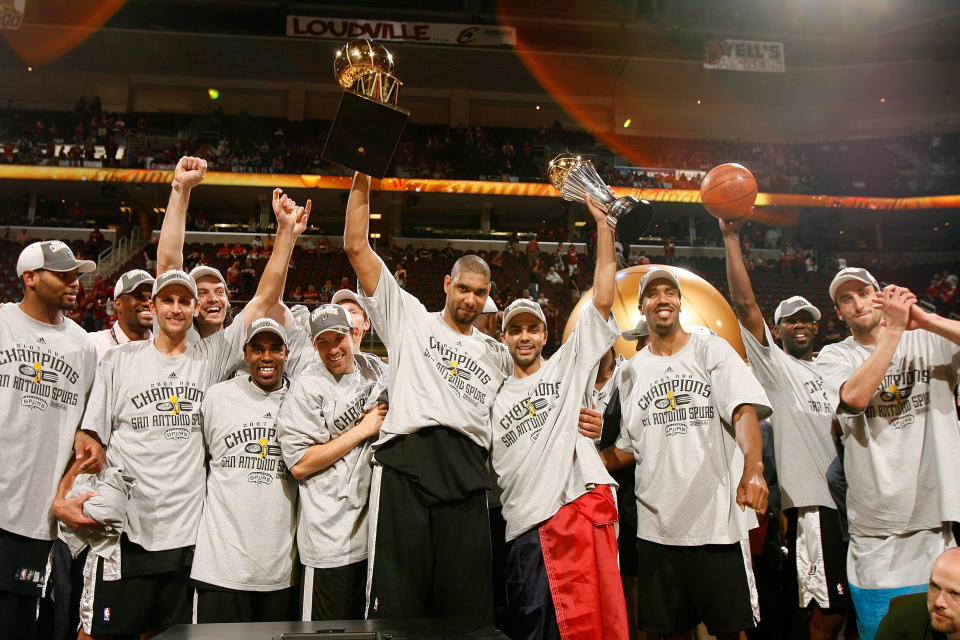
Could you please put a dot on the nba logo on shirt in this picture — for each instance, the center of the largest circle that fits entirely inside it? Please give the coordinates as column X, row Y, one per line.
column 106, row 614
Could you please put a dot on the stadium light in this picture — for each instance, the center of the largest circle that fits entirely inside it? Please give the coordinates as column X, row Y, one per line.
column 626, row 123
column 214, row 94
column 376, row 216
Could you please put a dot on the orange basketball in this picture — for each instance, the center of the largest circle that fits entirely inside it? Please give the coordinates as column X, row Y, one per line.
column 728, row 191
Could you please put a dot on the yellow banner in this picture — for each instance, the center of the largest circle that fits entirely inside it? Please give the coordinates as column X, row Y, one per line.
column 775, row 206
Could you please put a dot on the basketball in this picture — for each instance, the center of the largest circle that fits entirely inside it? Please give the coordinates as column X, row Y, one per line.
column 728, row 191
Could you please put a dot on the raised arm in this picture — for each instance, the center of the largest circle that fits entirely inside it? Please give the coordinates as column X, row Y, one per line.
column 291, row 223
column 752, row 491
column 741, row 292
column 356, row 235
column 860, row 387
column 320, row 456
column 606, row 270
column 188, row 174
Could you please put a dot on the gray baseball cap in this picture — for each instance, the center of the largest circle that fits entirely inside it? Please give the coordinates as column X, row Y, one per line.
column 848, row 274
column 655, row 274
column 206, row 270
column 132, row 279
column 793, row 305
column 174, row 276
column 330, row 317
column 52, row 255
column 639, row 331
column 265, row 325
column 522, row 305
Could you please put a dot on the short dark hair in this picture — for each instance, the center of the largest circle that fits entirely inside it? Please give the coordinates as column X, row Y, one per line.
column 470, row 263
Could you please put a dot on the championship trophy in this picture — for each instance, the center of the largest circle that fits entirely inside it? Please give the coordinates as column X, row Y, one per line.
column 368, row 124
column 576, row 178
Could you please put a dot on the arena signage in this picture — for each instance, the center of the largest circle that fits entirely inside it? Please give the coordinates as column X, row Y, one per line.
column 426, row 32
column 11, row 14
column 744, row 55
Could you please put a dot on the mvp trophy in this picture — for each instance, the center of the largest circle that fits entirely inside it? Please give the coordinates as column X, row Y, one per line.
column 368, row 124
column 576, row 178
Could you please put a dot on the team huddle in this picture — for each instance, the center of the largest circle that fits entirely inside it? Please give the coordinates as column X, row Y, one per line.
column 207, row 468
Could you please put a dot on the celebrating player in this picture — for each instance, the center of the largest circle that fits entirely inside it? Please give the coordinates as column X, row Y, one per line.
column 690, row 410
column 131, row 297
column 46, row 369
column 802, row 423
column 892, row 384
column 430, row 480
column 327, row 422
column 560, row 512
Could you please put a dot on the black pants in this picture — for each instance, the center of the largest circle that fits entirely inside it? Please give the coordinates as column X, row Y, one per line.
column 246, row 606
column 531, row 614
column 339, row 593
column 432, row 560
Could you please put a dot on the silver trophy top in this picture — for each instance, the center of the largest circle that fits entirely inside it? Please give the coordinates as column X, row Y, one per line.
column 575, row 178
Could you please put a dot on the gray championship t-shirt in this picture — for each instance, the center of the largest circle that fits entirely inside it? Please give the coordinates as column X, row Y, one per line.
column 438, row 376
column 333, row 502
column 678, row 423
column 45, row 375
column 538, row 453
column 802, row 421
column 900, row 453
column 146, row 408
column 245, row 539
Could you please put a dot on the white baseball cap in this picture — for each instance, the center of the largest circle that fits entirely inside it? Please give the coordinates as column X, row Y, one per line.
column 490, row 306
column 52, row 255
column 345, row 295
column 174, row 276
column 848, row 274
column 265, row 325
column 206, row 270
column 522, row 305
column 640, row 331
column 655, row 274
column 129, row 281
column 793, row 305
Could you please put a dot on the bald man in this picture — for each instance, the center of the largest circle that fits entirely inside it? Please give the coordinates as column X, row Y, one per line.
column 936, row 616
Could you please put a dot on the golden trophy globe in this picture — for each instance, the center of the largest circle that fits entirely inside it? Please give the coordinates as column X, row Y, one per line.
column 368, row 123
column 701, row 305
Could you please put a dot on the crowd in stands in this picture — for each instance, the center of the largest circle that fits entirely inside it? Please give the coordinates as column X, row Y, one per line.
column 904, row 166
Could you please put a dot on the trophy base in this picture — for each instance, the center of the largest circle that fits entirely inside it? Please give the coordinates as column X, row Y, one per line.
column 364, row 134
column 630, row 218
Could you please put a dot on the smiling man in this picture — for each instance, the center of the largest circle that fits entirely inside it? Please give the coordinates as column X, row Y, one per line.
column 892, row 385
column 803, row 440
column 250, row 503
column 131, row 297
column 327, row 423
column 430, row 478
column 47, row 365
column 561, row 567
column 690, row 420
column 145, row 404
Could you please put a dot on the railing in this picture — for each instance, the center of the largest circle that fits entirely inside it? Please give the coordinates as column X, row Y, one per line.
column 113, row 256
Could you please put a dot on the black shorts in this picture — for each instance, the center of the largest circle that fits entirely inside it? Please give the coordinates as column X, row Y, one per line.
column 820, row 578
column 689, row 585
column 225, row 605
column 154, row 592
column 335, row 593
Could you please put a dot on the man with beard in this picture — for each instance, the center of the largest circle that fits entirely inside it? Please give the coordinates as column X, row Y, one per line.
column 47, row 365
column 690, row 420
column 934, row 615
column 327, row 423
column 892, row 385
column 557, row 501
column 803, row 441
column 131, row 297
column 431, row 553
column 145, row 404
column 250, row 503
